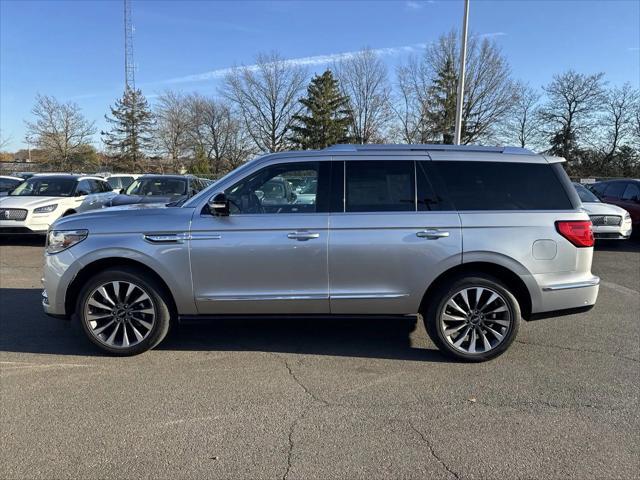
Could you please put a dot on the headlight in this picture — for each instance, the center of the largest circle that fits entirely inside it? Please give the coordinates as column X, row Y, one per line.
column 46, row 209
column 59, row 240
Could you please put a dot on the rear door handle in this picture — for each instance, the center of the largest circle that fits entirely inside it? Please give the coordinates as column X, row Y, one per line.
column 302, row 236
column 432, row 234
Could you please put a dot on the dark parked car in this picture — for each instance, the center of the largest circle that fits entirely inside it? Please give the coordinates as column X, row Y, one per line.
column 159, row 189
column 625, row 193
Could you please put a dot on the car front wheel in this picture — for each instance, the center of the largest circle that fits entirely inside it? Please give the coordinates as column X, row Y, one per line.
column 473, row 318
column 124, row 311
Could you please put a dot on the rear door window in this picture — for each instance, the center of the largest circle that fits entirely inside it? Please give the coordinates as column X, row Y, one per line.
column 503, row 186
column 379, row 186
column 615, row 190
column 632, row 192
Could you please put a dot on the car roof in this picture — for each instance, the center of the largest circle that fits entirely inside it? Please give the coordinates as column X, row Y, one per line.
column 432, row 151
column 74, row 176
column 9, row 177
column 156, row 175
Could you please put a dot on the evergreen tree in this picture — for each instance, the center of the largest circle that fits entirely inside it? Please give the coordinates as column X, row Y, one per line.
column 132, row 129
column 326, row 121
column 442, row 97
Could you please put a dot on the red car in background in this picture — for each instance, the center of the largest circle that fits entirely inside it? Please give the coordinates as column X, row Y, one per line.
column 623, row 192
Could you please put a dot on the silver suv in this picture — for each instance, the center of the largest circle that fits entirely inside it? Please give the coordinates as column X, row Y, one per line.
column 471, row 238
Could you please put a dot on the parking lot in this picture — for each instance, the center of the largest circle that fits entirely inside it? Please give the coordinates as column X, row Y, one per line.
column 323, row 398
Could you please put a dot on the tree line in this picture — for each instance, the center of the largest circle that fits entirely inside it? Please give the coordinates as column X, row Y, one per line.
column 274, row 105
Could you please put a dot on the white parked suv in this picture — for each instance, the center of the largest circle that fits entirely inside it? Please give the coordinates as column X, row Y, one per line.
column 39, row 201
column 610, row 222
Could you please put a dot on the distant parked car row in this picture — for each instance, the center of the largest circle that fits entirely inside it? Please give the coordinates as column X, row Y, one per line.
column 32, row 205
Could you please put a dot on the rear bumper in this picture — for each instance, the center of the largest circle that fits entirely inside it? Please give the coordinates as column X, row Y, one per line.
column 567, row 296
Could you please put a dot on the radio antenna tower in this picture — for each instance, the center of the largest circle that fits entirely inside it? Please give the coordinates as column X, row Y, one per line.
column 129, row 66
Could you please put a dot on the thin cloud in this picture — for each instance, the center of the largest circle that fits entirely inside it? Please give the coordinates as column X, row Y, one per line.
column 417, row 5
column 302, row 61
column 490, row 35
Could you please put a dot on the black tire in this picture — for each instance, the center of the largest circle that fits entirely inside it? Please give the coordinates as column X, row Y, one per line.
column 437, row 302
column 149, row 285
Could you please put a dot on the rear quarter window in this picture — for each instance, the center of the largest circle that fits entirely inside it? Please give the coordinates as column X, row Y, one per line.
column 504, row 186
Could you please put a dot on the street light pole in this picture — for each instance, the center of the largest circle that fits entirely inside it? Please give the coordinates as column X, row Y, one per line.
column 463, row 61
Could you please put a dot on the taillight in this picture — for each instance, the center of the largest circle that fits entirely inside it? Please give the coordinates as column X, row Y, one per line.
column 578, row 232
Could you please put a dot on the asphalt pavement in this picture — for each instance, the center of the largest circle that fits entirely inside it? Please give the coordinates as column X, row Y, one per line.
column 362, row 398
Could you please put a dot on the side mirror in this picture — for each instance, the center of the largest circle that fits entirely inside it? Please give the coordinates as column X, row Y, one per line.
column 219, row 205
column 122, row 191
column 81, row 193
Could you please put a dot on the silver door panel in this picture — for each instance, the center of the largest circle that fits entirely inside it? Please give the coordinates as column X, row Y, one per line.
column 379, row 264
column 254, row 264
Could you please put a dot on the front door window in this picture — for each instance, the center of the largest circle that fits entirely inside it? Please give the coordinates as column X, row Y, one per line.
column 282, row 188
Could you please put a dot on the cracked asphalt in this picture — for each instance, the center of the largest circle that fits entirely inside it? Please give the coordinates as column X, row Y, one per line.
column 301, row 399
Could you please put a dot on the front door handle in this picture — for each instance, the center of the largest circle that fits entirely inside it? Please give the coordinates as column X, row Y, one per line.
column 302, row 236
column 432, row 234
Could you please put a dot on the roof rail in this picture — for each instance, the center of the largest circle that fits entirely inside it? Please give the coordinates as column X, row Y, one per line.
column 427, row 147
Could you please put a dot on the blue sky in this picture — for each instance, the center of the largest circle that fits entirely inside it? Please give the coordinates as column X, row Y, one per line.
column 74, row 49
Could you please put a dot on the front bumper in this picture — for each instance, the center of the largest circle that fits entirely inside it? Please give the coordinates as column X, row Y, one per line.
column 33, row 224
column 59, row 271
column 621, row 232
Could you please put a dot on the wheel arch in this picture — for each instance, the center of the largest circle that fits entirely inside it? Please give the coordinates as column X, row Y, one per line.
column 97, row 266
column 506, row 275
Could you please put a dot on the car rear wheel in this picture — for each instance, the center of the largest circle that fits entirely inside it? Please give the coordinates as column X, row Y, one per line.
column 473, row 318
column 124, row 311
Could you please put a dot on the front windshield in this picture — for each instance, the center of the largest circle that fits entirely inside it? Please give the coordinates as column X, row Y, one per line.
column 46, row 187
column 158, row 187
column 585, row 194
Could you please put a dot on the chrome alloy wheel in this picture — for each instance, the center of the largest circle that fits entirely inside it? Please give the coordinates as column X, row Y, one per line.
column 475, row 320
column 119, row 314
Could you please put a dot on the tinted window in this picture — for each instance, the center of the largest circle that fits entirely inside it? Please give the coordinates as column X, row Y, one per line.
column 84, row 187
column 632, row 192
column 598, row 188
column 104, row 186
column 379, row 186
column 96, row 186
column 270, row 191
column 585, row 194
column 614, row 190
column 430, row 195
column 6, row 184
column 503, row 186
column 158, row 186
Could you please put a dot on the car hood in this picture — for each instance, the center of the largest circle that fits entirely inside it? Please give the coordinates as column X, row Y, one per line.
column 128, row 219
column 131, row 199
column 600, row 208
column 16, row 201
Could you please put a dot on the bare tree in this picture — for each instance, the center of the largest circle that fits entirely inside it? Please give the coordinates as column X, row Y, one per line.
column 428, row 91
column 171, row 131
column 411, row 102
column 217, row 133
column 4, row 141
column 617, row 118
column 522, row 124
column 363, row 80
column 266, row 95
column 573, row 101
column 59, row 129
